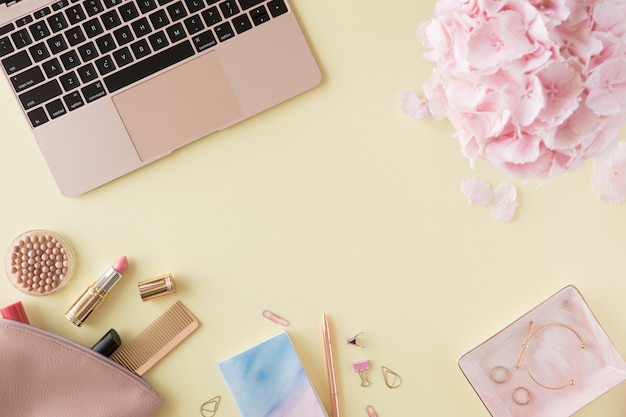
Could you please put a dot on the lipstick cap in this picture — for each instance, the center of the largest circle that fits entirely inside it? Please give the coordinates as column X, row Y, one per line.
column 15, row 312
column 107, row 343
column 156, row 287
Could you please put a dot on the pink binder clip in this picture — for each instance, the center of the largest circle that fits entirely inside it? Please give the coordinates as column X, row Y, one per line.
column 361, row 367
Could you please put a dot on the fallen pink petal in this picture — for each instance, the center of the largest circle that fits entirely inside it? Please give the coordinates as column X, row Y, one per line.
column 609, row 175
column 504, row 202
column 477, row 191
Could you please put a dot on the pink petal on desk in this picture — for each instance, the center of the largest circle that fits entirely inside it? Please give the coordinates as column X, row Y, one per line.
column 413, row 105
column 504, row 202
column 609, row 175
column 477, row 191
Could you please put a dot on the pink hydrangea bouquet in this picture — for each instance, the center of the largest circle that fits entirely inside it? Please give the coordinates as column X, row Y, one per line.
column 534, row 87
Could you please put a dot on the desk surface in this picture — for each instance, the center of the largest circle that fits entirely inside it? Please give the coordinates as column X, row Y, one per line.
column 333, row 202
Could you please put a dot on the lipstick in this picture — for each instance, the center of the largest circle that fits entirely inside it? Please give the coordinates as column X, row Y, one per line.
column 96, row 293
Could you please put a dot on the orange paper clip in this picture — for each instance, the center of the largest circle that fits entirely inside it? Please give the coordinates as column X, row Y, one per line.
column 371, row 412
column 275, row 318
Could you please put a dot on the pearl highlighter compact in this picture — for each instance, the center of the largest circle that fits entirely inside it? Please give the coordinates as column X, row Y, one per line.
column 96, row 293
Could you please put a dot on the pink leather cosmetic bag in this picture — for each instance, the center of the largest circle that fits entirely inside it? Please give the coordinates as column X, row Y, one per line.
column 47, row 375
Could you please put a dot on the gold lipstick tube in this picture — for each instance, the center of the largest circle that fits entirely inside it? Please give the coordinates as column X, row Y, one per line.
column 96, row 293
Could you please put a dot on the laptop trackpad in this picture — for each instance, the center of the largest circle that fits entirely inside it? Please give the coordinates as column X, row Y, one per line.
column 178, row 106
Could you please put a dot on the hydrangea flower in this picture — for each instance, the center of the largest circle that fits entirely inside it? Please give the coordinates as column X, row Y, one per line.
column 533, row 87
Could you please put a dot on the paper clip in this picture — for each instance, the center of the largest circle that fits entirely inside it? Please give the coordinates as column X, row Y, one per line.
column 371, row 412
column 392, row 379
column 362, row 367
column 275, row 318
column 209, row 408
column 352, row 340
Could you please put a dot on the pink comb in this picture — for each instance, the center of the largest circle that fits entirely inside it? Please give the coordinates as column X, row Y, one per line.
column 361, row 367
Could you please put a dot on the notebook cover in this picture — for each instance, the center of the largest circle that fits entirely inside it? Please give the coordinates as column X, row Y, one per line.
column 268, row 380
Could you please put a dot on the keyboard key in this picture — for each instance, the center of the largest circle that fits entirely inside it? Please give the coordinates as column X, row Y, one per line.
column 41, row 13
column 75, row 35
column 70, row 60
column 141, row 27
column 204, row 41
column 6, row 47
column 177, row 11
column 151, row 65
column 105, row 65
column 21, row 38
column 158, row 40
column 242, row 23
column 39, row 30
column 194, row 5
column 246, row 4
column 87, row 73
column 128, row 11
column 93, row 7
column 229, row 8
column 60, row 4
column 277, row 7
column 39, row 95
column 140, row 48
column 146, row 5
column 211, row 16
column 224, row 31
column 39, row 52
column 112, row 3
column 159, row 19
column 75, row 14
column 194, row 24
column 69, row 81
column 27, row 79
column 111, row 19
column 92, row 28
column 176, row 32
column 57, row 22
column 88, row 51
column 73, row 100
column 123, row 35
column 259, row 15
column 105, row 43
column 37, row 117
column 93, row 91
column 122, row 57
column 6, row 28
column 23, row 21
column 52, row 68
column 57, row 44
column 17, row 62
column 56, row 108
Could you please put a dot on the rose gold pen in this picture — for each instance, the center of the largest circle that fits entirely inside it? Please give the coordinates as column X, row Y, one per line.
column 330, row 366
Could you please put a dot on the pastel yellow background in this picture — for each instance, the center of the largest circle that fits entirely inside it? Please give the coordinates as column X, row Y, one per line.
column 333, row 202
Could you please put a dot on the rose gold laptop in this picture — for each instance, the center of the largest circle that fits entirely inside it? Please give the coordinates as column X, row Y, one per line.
column 109, row 86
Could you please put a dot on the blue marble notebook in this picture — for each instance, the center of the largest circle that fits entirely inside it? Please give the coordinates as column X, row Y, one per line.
column 268, row 380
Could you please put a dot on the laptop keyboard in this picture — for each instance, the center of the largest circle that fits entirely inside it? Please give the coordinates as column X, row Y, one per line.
column 62, row 57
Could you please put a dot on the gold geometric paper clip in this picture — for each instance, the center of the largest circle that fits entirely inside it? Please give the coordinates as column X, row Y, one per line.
column 392, row 379
column 209, row 408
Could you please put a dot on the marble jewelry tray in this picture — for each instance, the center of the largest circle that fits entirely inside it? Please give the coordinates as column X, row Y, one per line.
column 552, row 361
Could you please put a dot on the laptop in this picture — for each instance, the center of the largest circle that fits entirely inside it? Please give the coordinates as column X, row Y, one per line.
column 109, row 86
